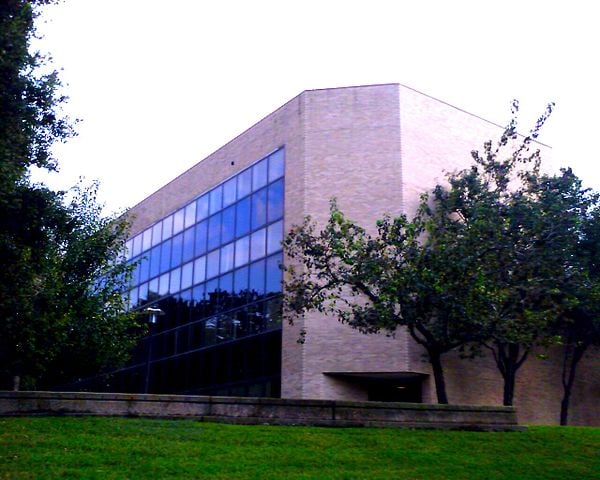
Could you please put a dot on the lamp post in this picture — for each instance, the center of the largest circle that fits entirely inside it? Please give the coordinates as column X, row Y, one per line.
column 153, row 314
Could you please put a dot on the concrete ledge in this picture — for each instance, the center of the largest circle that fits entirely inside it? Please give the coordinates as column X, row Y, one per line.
column 274, row 411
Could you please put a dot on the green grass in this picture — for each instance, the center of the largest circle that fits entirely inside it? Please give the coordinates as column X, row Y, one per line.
column 117, row 448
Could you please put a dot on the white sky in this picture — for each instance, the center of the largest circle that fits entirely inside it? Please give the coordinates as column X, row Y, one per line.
column 159, row 85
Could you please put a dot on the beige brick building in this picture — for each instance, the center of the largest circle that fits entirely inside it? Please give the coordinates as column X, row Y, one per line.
column 374, row 148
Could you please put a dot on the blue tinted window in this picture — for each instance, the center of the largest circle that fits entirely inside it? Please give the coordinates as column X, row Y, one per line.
column 157, row 233
column 240, row 280
column 244, row 183
column 152, row 289
column 176, row 250
column 146, row 239
column 259, row 209
column 212, row 264
column 259, row 175
column 275, row 200
column 190, row 214
column 226, row 283
column 242, row 226
column 274, row 236
column 257, row 244
column 163, row 284
column 199, row 270
column 201, row 237
column 167, row 229
column 165, row 256
column 144, row 269
column 229, row 192
column 227, row 258
column 133, row 298
column 242, row 251
column 175, row 281
column 188, row 244
column 154, row 256
column 143, row 294
column 186, row 275
column 257, row 277
column 274, row 274
column 135, row 275
column 228, row 222
column 216, row 199
column 214, row 231
column 137, row 245
column 276, row 165
column 202, row 207
column 178, row 221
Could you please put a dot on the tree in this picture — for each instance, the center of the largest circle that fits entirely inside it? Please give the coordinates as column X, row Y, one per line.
column 394, row 279
column 61, row 271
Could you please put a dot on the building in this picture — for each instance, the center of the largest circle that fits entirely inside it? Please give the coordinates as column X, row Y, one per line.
column 209, row 254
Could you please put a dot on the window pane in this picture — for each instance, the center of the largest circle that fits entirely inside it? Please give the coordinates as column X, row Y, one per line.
column 133, row 298
column 275, row 201
column 240, row 280
column 163, row 284
column 202, row 208
column 257, row 244
column 188, row 244
column 201, row 238
column 227, row 258
column 154, row 256
column 276, row 165
column 257, row 277
column 152, row 289
column 167, row 229
column 216, row 199
column 137, row 245
column 214, row 231
column 146, row 239
column 143, row 294
column 212, row 264
column 186, row 275
column 190, row 214
column 229, row 192
column 175, row 282
column 274, row 274
column 242, row 250
column 129, row 249
column 165, row 256
column 274, row 237
column 242, row 209
column 157, row 233
column 178, row 219
column 199, row 270
column 226, row 284
column 144, row 269
column 244, row 183
column 259, row 209
column 228, row 231
column 176, row 250
column 259, row 175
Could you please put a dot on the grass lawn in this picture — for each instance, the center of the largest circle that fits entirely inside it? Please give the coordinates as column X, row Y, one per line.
column 106, row 448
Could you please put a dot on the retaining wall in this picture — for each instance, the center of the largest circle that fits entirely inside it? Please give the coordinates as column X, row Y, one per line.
column 274, row 411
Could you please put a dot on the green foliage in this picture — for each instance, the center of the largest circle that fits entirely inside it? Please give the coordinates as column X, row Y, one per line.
column 116, row 448
column 61, row 270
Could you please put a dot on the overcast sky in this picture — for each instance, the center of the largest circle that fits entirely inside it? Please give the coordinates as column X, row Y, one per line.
column 160, row 85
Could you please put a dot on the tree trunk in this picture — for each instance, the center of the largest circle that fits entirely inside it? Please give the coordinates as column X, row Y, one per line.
column 568, row 379
column 438, row 375
column 508, row 362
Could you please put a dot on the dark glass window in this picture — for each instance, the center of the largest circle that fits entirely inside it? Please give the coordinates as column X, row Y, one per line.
column 242, row 226
column 212, row 264
column 165, row 256
column 201, row 237
column 202, row 207
column 259, row 208
column 154, row 256
column 176, row 250
column 259, row 175
column 276, row 165
column 257, row 277
column 274, row 274
column 228, row 222
column 229, row 192
column 275, row 201
column 216, row 199
column 241, row 280
column 188, row 244
column 214, row 231
column 244, row 183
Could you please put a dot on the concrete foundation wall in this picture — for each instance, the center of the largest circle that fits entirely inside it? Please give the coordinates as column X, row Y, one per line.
column 260, row 410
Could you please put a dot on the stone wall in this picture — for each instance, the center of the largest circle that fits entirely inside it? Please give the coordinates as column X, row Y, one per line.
column 273, row 411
